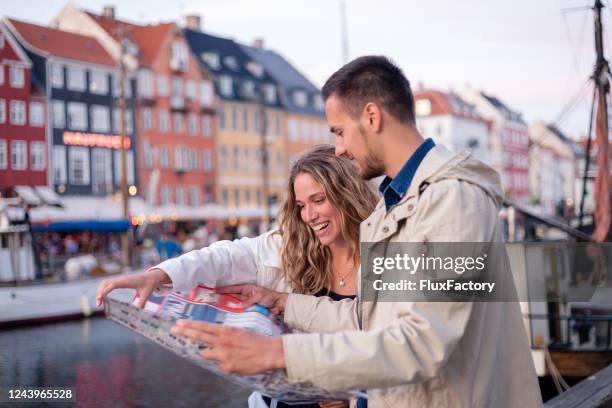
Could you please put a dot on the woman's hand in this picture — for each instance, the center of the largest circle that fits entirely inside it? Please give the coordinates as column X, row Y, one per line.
column 252, row 294
column 144, row 282
column 334, row 404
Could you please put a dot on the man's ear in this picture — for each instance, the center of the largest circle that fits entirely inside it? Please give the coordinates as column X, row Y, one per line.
column 372, row 117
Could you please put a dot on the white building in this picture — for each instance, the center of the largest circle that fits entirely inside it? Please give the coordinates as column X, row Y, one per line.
column 452, row 122
column 508, row 143
column 552, row 172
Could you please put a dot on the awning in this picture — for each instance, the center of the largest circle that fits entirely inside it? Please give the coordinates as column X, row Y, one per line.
column 28, row 195
column 48, row 195
column 91, row 225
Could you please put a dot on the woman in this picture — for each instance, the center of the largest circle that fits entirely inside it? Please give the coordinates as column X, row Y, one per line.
column 315, row 250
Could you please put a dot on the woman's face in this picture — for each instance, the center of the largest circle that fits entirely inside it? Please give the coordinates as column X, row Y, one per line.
column 316, row 210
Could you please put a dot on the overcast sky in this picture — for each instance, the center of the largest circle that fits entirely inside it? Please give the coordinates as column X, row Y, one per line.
column 530, row 54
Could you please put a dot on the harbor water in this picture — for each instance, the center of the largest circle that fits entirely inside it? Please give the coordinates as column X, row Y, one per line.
column 108, row 366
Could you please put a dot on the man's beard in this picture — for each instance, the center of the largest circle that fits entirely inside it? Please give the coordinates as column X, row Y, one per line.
column 372, row 167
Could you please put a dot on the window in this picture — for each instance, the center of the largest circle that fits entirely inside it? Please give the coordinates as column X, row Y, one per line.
column 98, row 82
column 211, row 59
column 194, row 196
column 246, row 153
column 1, row 74
column 1, row 41
column 164, row 158
column 102, row 171
column 318, row 103
column 3, row 158
column 236, row 158
column 77, row 116
column 245, row 120
column 207, row 160
column 247, row 196
column 16, row 77
column 164, row 121
column 18, row 155
column 236, row 197
column 300, row 98
column 180, row 195
column 190, row 89
column 234, row 118
column 59, row 164
column 206, row 93
column 127, row 86
column 248, row 89
column 277, row 124
column 177, row 122
column 178, row 56
column 206, row 125
column 147, row 154
column 37, row 155
column 163, row 88
column 269, row 93
column 145, row 83
column 2, row 111
column 208, row 193
column 165, row 198
column 76, row 79
column 100, row 119
column 78, row 168
column 129, row 158
column 221, row 114
column 223, row 156
column 128, row 123
column 57, row 75
column 225, row 85
column 147, row 118
column 192, row 124
column 36, row 114
column 293, row 130
column 18, row 113
column 177, row 86
column 224, row 197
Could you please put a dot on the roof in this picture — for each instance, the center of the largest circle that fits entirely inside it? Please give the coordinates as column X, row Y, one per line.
column 60, row 43
column 148, row 38
column 448, row 103
column 233, row 62
column 558, row 132
column 287, row 77
column 499, row 105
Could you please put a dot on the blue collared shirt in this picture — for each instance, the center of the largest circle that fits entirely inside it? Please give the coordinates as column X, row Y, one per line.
column 394, row 189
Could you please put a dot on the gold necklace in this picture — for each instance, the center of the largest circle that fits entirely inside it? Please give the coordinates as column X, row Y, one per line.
column 342, row 283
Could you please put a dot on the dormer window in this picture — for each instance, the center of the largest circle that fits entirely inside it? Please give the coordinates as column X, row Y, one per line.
column 300, row 98
column 231, row 63
column 248, row 89
column 211, row 59
column 269, row 93
column 255, row 68
column 225, row 85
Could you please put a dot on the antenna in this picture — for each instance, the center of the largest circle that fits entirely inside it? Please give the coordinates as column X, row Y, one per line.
column 344, row 34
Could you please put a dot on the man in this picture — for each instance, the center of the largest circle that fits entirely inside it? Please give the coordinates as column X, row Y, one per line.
column 407, row 354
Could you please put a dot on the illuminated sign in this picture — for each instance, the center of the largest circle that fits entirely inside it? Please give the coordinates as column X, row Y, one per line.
column 95, row 140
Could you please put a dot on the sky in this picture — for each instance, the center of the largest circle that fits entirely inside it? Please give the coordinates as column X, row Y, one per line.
column 536, row 56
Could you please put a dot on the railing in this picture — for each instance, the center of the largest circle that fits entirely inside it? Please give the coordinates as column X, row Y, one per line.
column 595, row 391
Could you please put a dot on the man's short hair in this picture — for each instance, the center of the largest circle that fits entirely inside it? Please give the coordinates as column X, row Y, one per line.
column 372, row 78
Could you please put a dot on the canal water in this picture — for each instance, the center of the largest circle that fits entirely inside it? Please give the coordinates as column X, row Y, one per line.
column 108, row 366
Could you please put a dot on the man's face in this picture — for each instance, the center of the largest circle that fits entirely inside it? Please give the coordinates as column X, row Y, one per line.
column 352, row 139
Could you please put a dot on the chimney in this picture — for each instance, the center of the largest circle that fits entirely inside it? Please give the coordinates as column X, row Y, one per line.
column 258, row 43
column 109, row 12
column 193, row 22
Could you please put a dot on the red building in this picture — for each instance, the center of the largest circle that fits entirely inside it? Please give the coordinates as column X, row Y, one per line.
column 23, row 144
column 175, row 109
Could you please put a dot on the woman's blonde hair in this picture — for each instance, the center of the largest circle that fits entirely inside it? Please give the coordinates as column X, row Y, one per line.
column 306, row 262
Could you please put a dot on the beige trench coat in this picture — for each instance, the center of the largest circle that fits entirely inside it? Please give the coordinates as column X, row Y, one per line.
column 421, row 354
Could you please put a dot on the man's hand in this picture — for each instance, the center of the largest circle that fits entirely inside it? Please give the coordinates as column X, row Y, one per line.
column 237, row 351
column 252, row 294
column 144, row 282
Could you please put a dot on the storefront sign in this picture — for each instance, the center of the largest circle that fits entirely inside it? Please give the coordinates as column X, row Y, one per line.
column 95, row 140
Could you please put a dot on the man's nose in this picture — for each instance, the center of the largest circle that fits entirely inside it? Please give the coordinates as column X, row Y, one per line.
column 340, row 149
